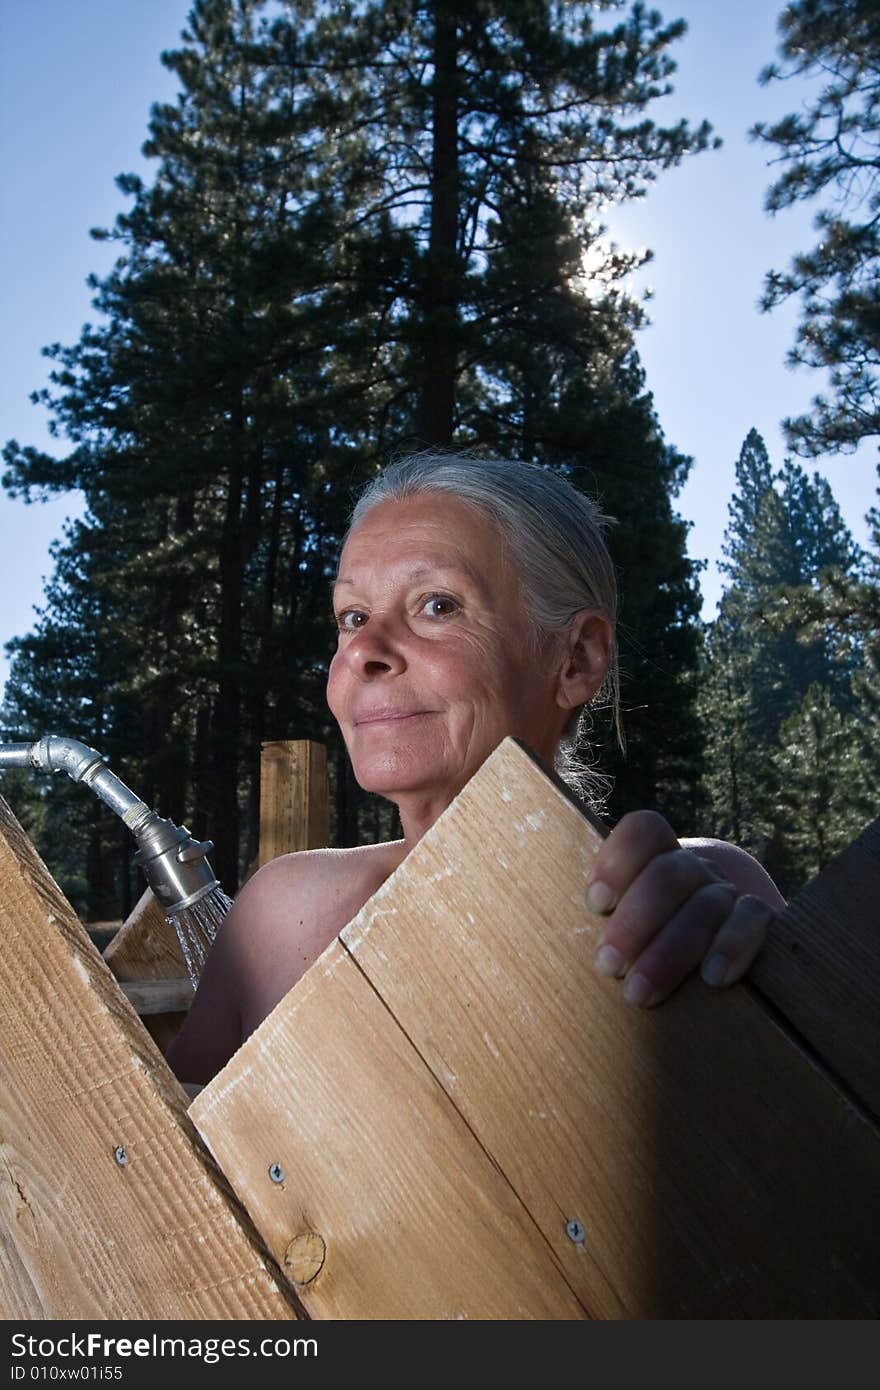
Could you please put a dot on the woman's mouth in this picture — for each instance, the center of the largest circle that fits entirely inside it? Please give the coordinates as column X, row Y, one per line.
column 388, row 716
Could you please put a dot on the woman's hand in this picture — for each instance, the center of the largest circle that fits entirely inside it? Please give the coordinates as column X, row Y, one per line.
column 668, row 907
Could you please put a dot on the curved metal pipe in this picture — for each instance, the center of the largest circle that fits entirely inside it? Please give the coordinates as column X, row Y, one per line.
column 174, row 864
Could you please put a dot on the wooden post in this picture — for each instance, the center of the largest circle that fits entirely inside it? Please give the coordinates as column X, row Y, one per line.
column 469, row 1122
column 294, row 799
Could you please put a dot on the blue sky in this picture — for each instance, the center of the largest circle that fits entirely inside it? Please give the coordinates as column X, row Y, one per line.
column 79, row 79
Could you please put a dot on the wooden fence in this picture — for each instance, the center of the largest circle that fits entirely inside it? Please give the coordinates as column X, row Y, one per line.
column 451, row 1115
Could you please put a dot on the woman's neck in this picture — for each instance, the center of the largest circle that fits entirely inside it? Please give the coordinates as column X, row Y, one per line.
column 418, row 813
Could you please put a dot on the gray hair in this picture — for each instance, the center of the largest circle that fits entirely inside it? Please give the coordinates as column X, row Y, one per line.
column 554, row 535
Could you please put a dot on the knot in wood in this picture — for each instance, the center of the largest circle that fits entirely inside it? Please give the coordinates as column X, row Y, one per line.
column 304, row 1257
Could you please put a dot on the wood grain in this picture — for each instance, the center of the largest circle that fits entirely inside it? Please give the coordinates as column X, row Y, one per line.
column 154, row 1237
column 146, row 948
column 148, row 997
column 294, row 798
column 716, row 1171
column 821, row 966
column 378, row 1168
column 477, row 1085
column 19, row 1300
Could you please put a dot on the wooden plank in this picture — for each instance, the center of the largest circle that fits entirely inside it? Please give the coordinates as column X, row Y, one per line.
column 102, row 933
column 149, row 997
column 294, row 799
column 821, row 966
column 388, row 1207
column 19, row 1300
column 146, row 948
column 716, row 1171
column 113, row 1208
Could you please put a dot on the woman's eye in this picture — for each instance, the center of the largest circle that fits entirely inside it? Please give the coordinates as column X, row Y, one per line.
column 439, row 606
column 350, row 619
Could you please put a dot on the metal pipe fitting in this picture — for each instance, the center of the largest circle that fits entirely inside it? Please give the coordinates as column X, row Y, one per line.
column 174, row 864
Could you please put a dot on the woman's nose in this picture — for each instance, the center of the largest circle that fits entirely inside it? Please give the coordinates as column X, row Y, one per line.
column 375, row 652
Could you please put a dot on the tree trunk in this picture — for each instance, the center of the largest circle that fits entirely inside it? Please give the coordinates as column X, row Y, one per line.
column 439, row 308
column 266, row 648
column 223, row 812
column 201, row 773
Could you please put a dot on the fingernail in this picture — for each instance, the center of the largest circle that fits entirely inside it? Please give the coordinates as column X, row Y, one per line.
column 716, row 970
column 608, row 961
column 600, row 897
column 639, row 990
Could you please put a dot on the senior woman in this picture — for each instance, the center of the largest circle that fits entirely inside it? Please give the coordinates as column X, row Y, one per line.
column 475, row 599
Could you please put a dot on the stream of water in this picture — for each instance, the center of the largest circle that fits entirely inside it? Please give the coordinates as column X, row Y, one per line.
column 196, row 927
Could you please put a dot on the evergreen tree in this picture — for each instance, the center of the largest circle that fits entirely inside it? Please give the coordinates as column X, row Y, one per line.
column 829, row 150
column 754, row 481
column 785, row 530
column 69, row 676
column 824, row 770
column 365, row 231
column 185, row 408
column 500, row 162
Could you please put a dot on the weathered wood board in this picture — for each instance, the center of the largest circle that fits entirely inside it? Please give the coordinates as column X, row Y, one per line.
column 821, row 966
column 109, row 1206
column 715, row 1170
column 146, row 948
column 416, row 1220
column 19, row 1300
column 156, row 998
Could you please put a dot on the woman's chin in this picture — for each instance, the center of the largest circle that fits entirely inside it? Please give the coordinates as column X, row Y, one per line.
column 393, row 777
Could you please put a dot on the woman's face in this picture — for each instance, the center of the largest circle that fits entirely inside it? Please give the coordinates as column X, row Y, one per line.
column 434, row 664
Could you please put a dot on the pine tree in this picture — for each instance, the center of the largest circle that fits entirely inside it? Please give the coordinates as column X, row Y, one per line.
column 785, row 534
column 843, row 613
column 500, row 162
column 754, row 480
column 470, row 113
column 365, row 231
column 829, row 151
column 68, row 677
column 185, row 406
column 825, row 768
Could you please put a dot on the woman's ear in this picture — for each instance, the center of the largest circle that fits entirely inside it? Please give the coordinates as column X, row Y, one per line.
column 585, row 657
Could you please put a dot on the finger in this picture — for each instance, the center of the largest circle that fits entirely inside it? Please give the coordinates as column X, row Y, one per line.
column 738, row 941
column 648, row 905
column 677, row 950
column 636, row 839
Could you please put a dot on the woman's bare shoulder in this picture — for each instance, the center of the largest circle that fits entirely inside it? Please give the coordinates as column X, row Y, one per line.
column 325, row 881
column 282, row 919
column 294, row 906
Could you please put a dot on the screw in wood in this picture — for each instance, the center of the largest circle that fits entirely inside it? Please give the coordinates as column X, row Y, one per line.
column 276, row 1172
column 575, row 1231
column 120, row 1155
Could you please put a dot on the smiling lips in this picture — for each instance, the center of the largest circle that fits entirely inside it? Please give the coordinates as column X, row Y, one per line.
column 388, row 716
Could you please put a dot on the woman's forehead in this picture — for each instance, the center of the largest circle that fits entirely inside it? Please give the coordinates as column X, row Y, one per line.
column 431, row 531
column 408, row 569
